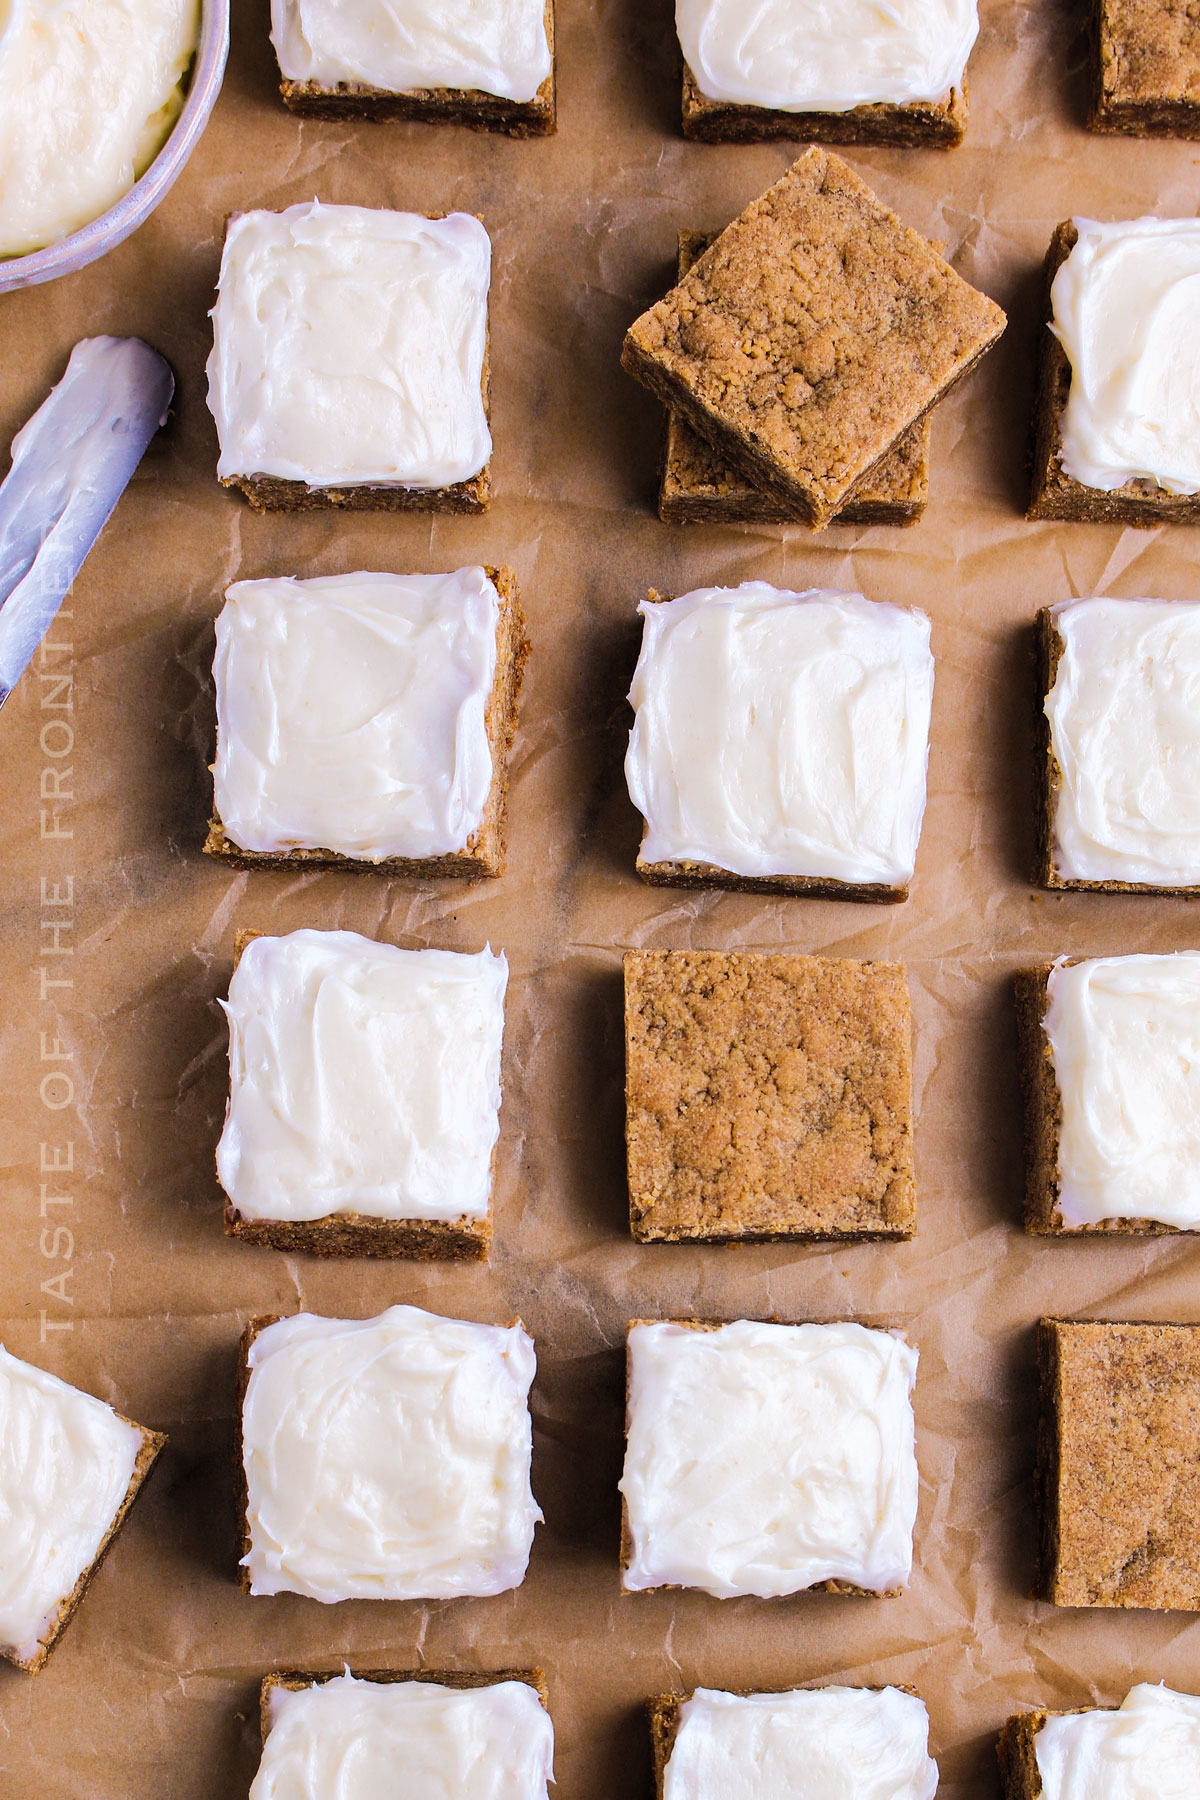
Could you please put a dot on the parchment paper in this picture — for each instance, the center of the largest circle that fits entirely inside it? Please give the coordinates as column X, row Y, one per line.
column 153, row 1690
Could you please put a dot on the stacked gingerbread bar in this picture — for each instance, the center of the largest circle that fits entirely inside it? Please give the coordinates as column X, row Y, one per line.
column 801, row 353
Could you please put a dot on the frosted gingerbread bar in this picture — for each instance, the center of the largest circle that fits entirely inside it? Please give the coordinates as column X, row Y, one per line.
column 488, row 67
column 1063, row 1755
column 367, row 721
column 1118, row 789
column 812, row 334
column 854, row 74
column 364, row 1096
column 1114, row 430
column 1111, row 1087
column 697, row 486
column 70, row 1470
column 324, row 395
column 813, row 1486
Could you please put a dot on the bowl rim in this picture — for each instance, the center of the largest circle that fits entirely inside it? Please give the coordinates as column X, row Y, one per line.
column 152, row 186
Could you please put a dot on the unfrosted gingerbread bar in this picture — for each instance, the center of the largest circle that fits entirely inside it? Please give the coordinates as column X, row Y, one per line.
column 1145, row 68
column 812, row 334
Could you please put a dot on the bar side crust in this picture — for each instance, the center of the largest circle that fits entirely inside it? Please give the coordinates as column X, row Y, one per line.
column 485, row 852
column 678, row 1194
column 935, row 124
column 358, row 1234
column 1042, row 1110
column 1055, row 494
column 296, row 1680
column 1048, row 786
column 809, row 414
column 696, row 487
column 849, row 1588
column 152, row 1445
column 1145, row 69
column 472, row 107
column 1020, row 1777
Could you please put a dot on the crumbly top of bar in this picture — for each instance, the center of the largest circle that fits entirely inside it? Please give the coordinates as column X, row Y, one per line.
column 818, row 325
column 1155, row 45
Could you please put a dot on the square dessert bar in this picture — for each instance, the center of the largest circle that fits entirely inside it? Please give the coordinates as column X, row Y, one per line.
column 367, row 721
column 809, row 777
column 812, row 334
column 1145, row 68
column 386, row 1458
column 698, row 487
column 364, row 1096
column 71, row 1468
column 356, row 63
column 470, row 1735
column 349, row 365
column 1043, row 1754
column 1111, row 1088
column 1055, row 494
column 914, row 124
column 762, row 1746
column 768, row 1459
column 1119, row 1464
column 767, row 1097
column 1118, row 747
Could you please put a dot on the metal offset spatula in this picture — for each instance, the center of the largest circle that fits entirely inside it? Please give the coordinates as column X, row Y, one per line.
column 70, row 465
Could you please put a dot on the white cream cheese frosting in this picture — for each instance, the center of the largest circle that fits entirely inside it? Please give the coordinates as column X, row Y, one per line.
column 66, row 1462
column 495, row 46
column 826, row 55
column 1147, row 1749
column 363, row 1079
column 832, row 1743
column 1124, row 1035
column 388, row 1458
column 1124, row 715
column 349, row 347
column 89, row 90
column 351, row 712
column 781, row 733
column 347, row 1739
column 1126, row 309
column 762, row 1459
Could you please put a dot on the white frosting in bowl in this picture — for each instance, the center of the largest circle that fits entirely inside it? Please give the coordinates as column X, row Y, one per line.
column 349, row 346
column 1124, row 1036
column 763, row 1459
column 351, row 712
column 1126, row 309
column 831, row 1743
column 782, row 733
column 1147, row 1749
column 826, row 55
column 66, row 1462
column 363, row 1079
column 494, row 46
column 1124, row 715
column 351, row 1739
column 89, row 90
column 388, row 1458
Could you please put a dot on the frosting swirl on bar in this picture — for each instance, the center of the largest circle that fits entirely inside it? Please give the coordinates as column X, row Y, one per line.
column 1124, row 715
column 1147, row 1749
column 363, row 1079
column 781, row 733
column 374, row 1740
column 349, row 346
column 762, row 1459
column 496, row 46
column 1126, row 309
column 66, row 1462
column 1124, row 1035
column 830, row 1743
column 388, row 1458
column 351, row 713
column 826, row 55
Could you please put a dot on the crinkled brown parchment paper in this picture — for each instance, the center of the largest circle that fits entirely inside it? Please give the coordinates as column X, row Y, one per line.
column 122, row 1071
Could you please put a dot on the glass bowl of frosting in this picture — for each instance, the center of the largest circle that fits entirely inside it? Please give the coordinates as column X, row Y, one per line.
column 101, row 104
